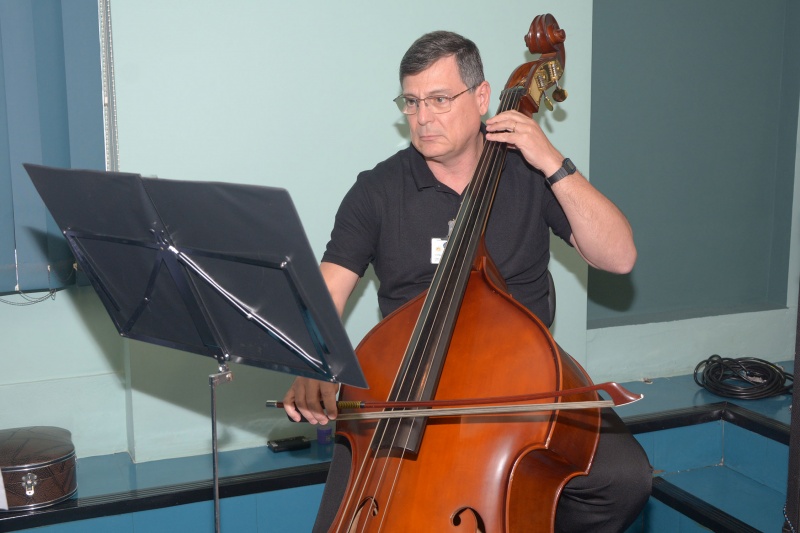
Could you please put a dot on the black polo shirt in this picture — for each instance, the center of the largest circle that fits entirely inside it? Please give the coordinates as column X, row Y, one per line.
column 392, row 212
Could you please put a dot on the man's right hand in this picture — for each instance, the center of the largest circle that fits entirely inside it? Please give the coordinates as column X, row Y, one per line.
column 313, row 399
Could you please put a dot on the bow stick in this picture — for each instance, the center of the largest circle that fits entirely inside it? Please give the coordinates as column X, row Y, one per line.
column 619, row 396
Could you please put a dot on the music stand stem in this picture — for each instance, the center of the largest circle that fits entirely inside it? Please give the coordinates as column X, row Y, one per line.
column 224, row 376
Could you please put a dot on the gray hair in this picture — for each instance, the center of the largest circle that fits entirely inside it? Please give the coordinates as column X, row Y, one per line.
column 436, row 45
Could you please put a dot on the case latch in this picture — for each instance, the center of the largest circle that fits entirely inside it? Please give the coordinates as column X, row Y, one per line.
column 29, row 481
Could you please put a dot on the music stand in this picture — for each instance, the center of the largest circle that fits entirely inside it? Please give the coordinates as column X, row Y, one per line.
column 218, row 269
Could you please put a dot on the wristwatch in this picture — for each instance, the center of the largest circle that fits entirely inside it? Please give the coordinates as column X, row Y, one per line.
column 567, row 168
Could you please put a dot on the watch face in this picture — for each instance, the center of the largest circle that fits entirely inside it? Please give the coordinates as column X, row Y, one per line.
column 570, row 166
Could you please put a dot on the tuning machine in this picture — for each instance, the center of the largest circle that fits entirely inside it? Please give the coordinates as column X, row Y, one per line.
column 547, row 102
column 559, row 93
column 548, row 75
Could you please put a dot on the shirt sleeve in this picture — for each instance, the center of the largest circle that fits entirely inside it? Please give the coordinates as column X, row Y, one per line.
column 555, row 216
column 355, row 231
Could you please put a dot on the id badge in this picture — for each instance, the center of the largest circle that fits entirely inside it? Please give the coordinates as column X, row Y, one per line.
column 438, row 245
column 437, row 250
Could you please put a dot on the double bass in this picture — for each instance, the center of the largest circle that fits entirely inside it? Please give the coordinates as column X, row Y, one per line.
column 500, row 466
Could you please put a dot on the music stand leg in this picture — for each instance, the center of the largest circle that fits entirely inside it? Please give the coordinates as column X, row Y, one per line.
column 224, row 376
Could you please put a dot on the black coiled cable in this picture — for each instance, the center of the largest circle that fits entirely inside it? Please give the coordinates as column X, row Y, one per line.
column 745, row 378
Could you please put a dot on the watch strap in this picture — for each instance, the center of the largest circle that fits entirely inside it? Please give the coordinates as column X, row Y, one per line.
column 567, row 168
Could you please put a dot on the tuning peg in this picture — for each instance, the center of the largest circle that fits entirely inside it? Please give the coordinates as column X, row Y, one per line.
column 559, row 94
column 546, row 101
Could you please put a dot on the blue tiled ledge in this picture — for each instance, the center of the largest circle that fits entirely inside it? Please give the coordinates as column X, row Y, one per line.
column 109, row 474
column 681, row 392
column 722, row 464
column 697, row 510
column 113, row 484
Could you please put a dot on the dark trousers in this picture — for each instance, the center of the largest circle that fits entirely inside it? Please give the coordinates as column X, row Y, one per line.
column 607, row 500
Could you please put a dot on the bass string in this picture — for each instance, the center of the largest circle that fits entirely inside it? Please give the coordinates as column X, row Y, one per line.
column 460, row 246
column 480, row 194
column 367, row 471
column 461, row 233
column 478, row 200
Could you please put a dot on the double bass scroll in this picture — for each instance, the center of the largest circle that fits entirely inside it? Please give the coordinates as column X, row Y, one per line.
column 545, row 37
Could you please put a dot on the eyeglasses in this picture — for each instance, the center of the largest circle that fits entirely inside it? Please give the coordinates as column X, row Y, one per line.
column 409, row 105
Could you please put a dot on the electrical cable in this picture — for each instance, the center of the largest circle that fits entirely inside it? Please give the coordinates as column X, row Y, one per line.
column 27, row 300
column 745, row 378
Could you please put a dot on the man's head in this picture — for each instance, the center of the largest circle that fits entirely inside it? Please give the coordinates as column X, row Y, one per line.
column 439, row 44
column 447, row 67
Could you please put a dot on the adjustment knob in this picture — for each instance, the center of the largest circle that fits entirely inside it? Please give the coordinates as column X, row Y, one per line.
column 559, row 94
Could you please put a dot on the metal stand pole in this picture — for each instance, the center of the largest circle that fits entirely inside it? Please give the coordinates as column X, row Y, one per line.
column 791, row 510
column 224, row 376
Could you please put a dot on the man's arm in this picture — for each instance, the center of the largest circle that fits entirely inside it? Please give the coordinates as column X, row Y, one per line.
column 314, row 399
column 600, row 232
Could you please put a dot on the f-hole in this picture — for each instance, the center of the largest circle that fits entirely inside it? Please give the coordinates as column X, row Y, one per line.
column 461, row 514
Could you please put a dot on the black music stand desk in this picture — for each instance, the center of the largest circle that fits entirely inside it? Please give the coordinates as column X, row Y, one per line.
column 218, row 269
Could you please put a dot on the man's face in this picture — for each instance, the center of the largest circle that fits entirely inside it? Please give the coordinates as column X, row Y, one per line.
column 445, row 136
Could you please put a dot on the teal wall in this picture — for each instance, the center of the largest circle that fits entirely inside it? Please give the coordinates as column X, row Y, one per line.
column 299, row 96
column 274, row 94
column 694, row 136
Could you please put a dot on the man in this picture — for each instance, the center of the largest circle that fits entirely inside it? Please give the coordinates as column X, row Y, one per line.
column 394, row 213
